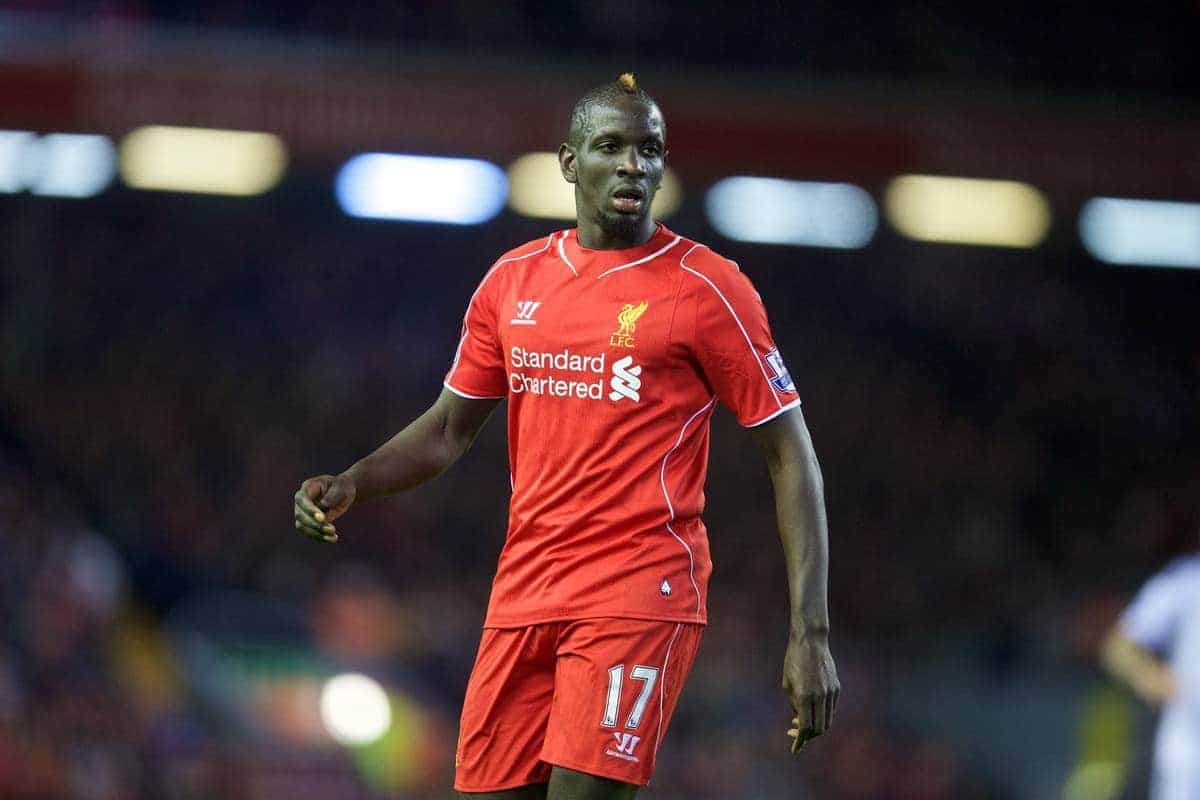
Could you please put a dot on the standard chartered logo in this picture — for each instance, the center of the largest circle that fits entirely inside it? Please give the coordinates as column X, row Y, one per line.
column 565, row 374
column 626, row 380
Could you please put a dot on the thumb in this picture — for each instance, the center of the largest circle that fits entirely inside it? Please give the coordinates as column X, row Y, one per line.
column 314, row 488
column 338, row 498
column 334, row 496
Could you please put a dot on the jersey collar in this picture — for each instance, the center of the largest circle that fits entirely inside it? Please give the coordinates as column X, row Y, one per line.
column 599, row 263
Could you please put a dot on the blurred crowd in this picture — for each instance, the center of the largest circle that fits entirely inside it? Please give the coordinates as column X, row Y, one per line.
column 1005, row 438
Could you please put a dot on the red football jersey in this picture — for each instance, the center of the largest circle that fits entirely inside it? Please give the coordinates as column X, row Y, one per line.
column 612, row 362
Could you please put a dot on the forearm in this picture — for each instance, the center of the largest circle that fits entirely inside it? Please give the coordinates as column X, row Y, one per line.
column 800, row 512
column 1135, row 667
column 423, row 450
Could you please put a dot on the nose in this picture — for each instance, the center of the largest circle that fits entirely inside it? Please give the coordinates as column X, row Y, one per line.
column 631, row 164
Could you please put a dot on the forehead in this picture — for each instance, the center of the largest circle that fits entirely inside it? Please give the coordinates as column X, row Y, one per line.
column 631, row 118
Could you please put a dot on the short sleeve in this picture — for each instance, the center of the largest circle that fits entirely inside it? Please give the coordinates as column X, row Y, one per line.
column 478, row 368
column 1154, row 617
column 735, row 348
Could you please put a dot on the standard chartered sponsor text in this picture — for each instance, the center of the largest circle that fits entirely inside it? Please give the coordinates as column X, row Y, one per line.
column 551, row 384
column 563, row 359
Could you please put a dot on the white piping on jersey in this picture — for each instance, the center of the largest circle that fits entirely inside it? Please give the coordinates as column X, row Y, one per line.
column 662, row 686
column 742, row 328
column 461, row 393
column 662, row 480
column 641, row 260
column 773, row 414
column 488, row 274
column 563, row 254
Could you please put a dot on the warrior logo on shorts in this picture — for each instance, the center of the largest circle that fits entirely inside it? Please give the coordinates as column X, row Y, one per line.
column 626, row 742
column 627, row 319
column 665, row 588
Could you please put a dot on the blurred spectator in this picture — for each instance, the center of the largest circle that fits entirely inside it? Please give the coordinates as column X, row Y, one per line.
column 1155, row 651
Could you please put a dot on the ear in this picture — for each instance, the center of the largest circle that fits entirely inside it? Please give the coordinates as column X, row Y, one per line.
column 566, row 162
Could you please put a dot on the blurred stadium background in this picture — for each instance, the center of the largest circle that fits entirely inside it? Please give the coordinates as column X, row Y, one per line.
column 211, row 289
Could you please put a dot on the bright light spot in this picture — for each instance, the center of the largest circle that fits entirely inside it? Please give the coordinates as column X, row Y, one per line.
column 74, row 165
column 14, row 149
column 202, row 160
column 539, row 190
column 1152, row 233
column 967, row 210
column 355, row 709
column 458, row 191
column 59, row 164
column 779, row 211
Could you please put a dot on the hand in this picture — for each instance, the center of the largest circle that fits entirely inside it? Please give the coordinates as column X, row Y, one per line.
column 321, row 500
column 1155, row 684
column 810, row 679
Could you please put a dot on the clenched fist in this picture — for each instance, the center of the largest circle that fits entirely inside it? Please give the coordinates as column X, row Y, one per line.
column 321, row 500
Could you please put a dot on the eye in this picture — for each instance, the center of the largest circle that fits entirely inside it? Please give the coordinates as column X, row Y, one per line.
column 652, row 150
column 608, row 147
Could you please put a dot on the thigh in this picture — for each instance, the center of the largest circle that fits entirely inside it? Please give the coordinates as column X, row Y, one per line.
column 616, row 686
column 568, row 784
column 505, row 712
column 535, row 792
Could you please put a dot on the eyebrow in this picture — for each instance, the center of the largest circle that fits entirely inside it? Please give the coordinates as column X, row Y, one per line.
column 612, row 133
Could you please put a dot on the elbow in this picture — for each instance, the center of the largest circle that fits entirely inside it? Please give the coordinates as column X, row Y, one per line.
column 805, row 467
column 799, row 470
column 446, row 446
column 455, row 443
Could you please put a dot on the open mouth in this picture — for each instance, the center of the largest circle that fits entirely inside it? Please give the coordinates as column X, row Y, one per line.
column 629, row 199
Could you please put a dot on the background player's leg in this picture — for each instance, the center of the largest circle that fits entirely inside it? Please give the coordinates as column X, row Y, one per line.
column 536, row 791
column 567, row 784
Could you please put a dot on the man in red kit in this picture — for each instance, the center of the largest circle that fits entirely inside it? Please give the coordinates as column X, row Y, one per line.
column 612, row 343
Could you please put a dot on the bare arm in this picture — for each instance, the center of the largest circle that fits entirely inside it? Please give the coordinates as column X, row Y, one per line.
column 1149, row 677
column 809, row 674
column 423, row 450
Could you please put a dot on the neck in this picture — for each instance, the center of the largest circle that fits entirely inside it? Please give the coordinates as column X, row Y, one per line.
column 595, row 236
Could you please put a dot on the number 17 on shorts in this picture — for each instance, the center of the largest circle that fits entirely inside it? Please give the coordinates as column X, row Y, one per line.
column 626, row 743
column 593, row 695
column 617, row 690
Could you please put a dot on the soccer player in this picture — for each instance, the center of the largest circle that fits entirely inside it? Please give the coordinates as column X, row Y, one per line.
column 1155, row 650
column 612, row 342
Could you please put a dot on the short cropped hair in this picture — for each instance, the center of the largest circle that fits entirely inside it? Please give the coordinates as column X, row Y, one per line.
column 625, row 86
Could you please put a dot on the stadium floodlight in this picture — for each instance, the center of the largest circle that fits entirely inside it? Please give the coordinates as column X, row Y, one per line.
column 456, row 191
column 73, row 165
column 804, row 213
column 355, row 709
column 58, row 164
column 14, row 147
column 202, row 160
column 933, row 208
column 1148, row 233
column 538, row 189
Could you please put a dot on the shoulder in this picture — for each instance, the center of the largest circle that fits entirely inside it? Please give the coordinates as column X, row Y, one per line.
column 710, row 273
column 521, row 254
column 533, row 247
column 1183, row 571
column 1175, row 585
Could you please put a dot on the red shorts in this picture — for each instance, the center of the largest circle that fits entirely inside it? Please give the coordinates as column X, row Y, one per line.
column 593, row 695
